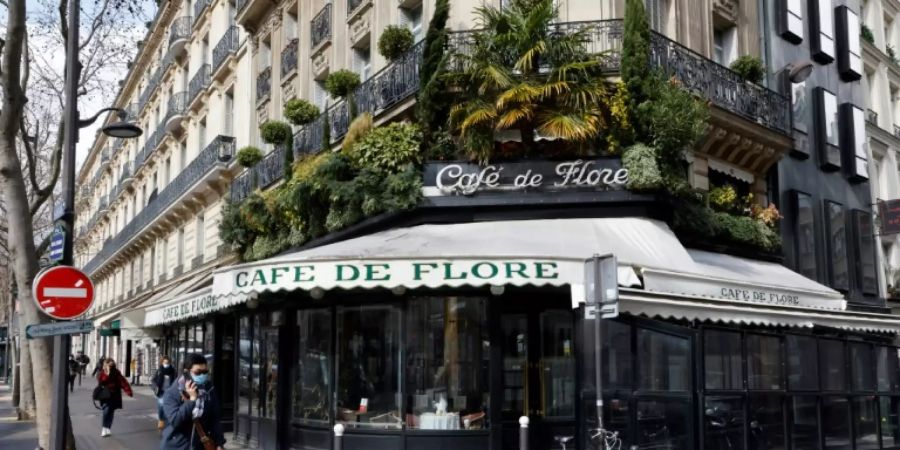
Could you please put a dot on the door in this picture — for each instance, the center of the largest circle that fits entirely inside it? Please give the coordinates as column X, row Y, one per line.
column 538, row 376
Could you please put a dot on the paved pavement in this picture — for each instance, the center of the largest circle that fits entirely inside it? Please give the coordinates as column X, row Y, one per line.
column 14, row 434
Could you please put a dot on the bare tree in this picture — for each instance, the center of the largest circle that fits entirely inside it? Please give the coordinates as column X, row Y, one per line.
column 31, row 142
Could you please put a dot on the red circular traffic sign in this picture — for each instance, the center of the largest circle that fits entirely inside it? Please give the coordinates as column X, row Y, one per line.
column 63, row 292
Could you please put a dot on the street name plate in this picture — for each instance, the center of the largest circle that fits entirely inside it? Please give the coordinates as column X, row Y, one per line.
column 57, row 328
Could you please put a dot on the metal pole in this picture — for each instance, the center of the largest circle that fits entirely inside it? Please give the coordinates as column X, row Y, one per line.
column 70, row 119
column 523, row 433
column 338, row 437
column 598, row 374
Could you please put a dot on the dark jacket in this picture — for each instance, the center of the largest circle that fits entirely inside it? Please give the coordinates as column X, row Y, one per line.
column 159, row 379
column 116, row 383
column 179, row 432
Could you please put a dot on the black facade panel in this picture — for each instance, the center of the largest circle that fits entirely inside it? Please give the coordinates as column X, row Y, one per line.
column 849, row 55
column 821, row 31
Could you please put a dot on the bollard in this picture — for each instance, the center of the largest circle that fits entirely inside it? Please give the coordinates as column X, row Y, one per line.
column 523, row 433
column 338, row 437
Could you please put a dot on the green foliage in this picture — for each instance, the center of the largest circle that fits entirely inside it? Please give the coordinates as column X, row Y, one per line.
column 342, row 83
column 723, row 198
column 432, row 104
column 275, row 132
column 636, row 72
column 395, row 41
column 359, row 128
column 442, row 147
column 749, row 68
column 388, row 148
column 644, row 173
column 866, row 33
column 249, row 156
column 892, row 55
column 695, row 220
column 326, row 130
column 675, row 120
column 300, row 112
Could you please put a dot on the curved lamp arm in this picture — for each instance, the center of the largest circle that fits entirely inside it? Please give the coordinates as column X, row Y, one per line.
column 87, row 122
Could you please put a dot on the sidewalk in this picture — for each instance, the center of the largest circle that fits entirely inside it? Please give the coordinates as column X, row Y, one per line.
column 15, row 435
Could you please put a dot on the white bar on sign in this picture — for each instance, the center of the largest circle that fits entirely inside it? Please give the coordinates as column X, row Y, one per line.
column 65, row 292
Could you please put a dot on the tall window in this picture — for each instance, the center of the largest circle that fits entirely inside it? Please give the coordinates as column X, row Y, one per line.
column 362, row 62
column 804, row 222
column 204, row 49
column 319, row 95
column 866, row 276
column 201, row 134
column 180, row 247
column 821, row 28
column 838, row 271
column 164, row 264
column 412, row 19
column 229, row 113
column 168, row 174
column 201, row 236
column 725, row 45
column 311, row 401
column 657, row 12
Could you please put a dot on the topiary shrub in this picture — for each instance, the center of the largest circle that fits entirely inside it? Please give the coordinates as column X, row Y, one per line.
column 275, row 132
column 300, row 112
column 389, row 148
column 749, row 68
column 342, row 83
column 643, row 169
column 358, row 129
column 249, row 156
column 395, row 41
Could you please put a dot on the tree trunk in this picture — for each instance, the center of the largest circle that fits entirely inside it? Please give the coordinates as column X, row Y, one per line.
column 26, row 384
column 14, row 362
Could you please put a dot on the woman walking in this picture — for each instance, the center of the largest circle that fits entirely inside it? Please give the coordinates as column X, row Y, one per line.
column 114, row 382
column 164, row 377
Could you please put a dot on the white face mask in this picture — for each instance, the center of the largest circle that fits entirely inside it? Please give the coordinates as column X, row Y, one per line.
column 165, row 365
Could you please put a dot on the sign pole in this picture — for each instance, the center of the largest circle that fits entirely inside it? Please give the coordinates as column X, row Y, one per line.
column 601, row 302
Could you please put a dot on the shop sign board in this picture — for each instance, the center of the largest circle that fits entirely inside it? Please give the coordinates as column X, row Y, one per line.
column 464, row 178
column 194, row 306
column 889, row 212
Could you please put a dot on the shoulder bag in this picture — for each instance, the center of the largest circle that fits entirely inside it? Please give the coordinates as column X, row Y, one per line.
column 207, row 442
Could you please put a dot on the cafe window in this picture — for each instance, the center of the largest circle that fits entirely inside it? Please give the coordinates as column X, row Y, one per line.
column 723, row 359
column 804, row 222
column 617, row 356
column 764, row 362
column 865, row 423
column 832, row 365
column 766, row 421
column 447, row 363
column 664, row 361
column 835, row 231
column 802, row 361
column 368, row 366
column 887, row 369
column 804, row 423
column 245, row 360
column 861, row 363
column 890, row 421
column 312, row 376
column 664, row 423
column 836, row 423
column 723, row 423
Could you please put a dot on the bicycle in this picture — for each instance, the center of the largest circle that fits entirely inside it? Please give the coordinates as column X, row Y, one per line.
column 608, row 439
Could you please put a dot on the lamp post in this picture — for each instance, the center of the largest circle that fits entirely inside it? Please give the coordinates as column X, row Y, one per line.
column 121, row 129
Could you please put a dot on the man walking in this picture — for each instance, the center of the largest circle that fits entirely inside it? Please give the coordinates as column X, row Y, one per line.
column 192, row 410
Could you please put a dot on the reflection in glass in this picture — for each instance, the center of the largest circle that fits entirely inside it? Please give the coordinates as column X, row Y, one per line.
column 836, row 423
column 256, row 369
column 865, row 423
column 866, row 276
column 723, row 424
column 832, row 364
column 663, row 424
column 723, row 360
column 803, row 363
column 764, row 362
column 664, row 361
column 447, row 356
column 271, row 371
column 312, row 376
column 890, row 421
column 245, row 355
column 616, row 414
column 209, row 344
column 557, row 365
column 887, row 369
column 617, row 357
column 368, row 344
column 515, row 365
column 804, row 423
column 766, row 422
column 829, row 103
column 861, row 362
column 800, row 96
column 806, row 236
column 837, row 246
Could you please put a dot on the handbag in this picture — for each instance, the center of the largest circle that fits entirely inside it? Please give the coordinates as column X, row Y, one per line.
column 101, row 393
column 208, row 442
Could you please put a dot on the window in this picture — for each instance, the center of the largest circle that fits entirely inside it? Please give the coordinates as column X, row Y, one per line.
column 890, row 421
column 861, row 363
column 764, row 362
column 164, row 264
column 853, row 142
column 725, row 45
column 865, row 423
column 821, row 30
column 849, row 50
column 312, row 376
column 722, row 359
column 723, row 423
column 766, row 422
column 412, row 19
column 827, row 129
column 836, row 240
column 245, row 360
column 804, row 423
column 663, row 361
column 804, row 223
column 664, row 424
column 368, row 343
column 447, row 359
column 168, row 173
column 201, row 236
column 319, row 94
column 229, row 113
column 836, row 423
column 866, row 278
column 182, row 157
column 657, row 12
column 201, row 134
column 290, row 26
column 887, row 370
column 832, row 365
column 204, row 49
column 802, row 362
column 790, row 21
column 362, row 63
column 617, row 357
column 180, row 248
column 265, row 55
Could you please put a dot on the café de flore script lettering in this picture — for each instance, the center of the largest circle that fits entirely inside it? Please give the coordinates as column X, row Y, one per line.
column 191, row 307
column 459, row 178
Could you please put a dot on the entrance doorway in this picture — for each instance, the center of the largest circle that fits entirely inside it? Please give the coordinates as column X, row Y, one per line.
column 537, row 374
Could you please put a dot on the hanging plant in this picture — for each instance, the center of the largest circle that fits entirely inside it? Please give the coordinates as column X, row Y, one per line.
column 300, row 112
column 750, row 68
column 275, row 132
column 395, row 41
column 249, row 156
column 342, row 83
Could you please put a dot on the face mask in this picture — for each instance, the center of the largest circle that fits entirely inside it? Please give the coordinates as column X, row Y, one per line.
column 166, row 365
column 200, row 379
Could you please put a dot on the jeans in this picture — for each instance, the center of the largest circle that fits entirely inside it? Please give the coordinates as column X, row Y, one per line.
column 159, row 409
column 107, row 416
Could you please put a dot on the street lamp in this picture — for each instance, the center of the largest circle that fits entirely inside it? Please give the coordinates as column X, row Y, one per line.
column 121, row 129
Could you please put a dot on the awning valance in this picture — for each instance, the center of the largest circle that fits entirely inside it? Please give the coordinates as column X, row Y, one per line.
column 188, row 305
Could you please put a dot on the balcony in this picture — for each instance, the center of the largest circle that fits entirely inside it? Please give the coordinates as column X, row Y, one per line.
column 354, row 7
column 103, row 204
column 198, row 84
column 179, row 34
column 153, row 141
column 199, row 8
column 360, row 25
column 308, row 139
column 127, row 175
column 224, row 51
column 289, row 58
column 872, row 117
column 176, row 108
column 132, row 111
column 264, row 85
column 193, row 179
column 252, row 13
column 321, row 29
column 264, row 174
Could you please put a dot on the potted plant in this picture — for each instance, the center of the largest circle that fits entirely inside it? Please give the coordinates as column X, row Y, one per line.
column 750, row 68
column 279, row 133
column 300, row 112
column 395, row 41
column 341, row 84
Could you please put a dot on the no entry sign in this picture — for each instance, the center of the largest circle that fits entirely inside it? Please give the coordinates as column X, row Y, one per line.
column 63, row 292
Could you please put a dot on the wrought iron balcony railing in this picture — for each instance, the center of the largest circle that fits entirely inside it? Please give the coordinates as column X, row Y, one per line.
column 352, row 5
column 150, row 146
column 289, row 57
column 199, row 7
column 321, row 27
column 180, row 29
column 225, row 47
column 199, row 82
column 176, row 105
column 103, row 204
column 220, row 151
column 127, row 172
column 262, row 175
column 872, row 117
column 308, row 139
column 264, row 84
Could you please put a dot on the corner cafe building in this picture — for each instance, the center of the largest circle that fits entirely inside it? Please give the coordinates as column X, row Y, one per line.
column 442, row 334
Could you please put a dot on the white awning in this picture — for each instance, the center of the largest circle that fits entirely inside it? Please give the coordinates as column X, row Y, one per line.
column 188, row 305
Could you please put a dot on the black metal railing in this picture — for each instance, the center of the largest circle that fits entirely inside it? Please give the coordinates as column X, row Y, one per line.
column 289, row 57
column 177, row 105
column 264, row 174
column 241, row 4
column 221, row 150
column 199, row 82
column 321, row 27
column 199, row 7
column 264, row 84
column 308, row 139
column 872, row 117
column 127, row 172
column 225, row 47
column 180, row 29
column 353, row 5
column 150, row 146
column 104, row 157
column 103, row 205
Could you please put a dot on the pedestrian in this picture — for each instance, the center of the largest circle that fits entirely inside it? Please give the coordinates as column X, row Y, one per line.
column 163, row 378
column 99, row 366
column 192, row 411
column 114, row 382
column 134, row 371
column 140, row 367
column 73, row 368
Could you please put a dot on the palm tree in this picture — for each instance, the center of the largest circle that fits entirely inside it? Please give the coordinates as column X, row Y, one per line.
column 521, row 71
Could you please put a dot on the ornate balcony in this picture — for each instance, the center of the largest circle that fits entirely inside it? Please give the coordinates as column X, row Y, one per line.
column 264, row 84
column 104, row 160
column 150, row 145
column 872, row 117
column 289, row 57
column 264, row 174
column 133, row 110
column 179, row 33
column 224, row 51
column 103, row 204
column 127, row 175
column 308, row 139
column 199, row 8
column 192, row 180
column 198, row 84
column 321, row 28
column 176, row 109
